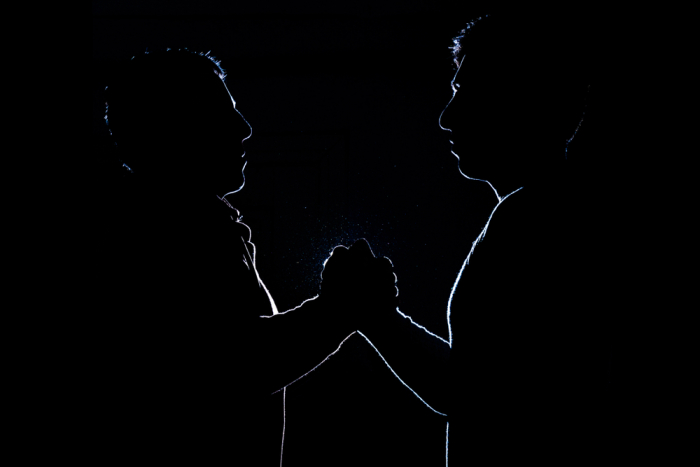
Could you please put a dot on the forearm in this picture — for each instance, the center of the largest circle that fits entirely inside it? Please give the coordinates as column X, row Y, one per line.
column 418, row 357
column 299, row 339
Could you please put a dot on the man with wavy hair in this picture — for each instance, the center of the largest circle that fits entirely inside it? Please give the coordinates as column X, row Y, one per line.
column 190, row 342
column 522, row 375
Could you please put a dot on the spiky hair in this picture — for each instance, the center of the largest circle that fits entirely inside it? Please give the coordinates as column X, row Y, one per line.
column 457, row 40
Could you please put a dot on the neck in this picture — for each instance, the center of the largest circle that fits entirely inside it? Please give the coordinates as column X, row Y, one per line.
column 542, row 174
column 505, row 186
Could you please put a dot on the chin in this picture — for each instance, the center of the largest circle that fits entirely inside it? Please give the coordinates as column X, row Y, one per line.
column 472, row 177
column 470, row 174
column 229, row 190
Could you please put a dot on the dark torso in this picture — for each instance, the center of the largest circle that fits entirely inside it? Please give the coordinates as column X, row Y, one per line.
column 177, row 347
column 529, row 351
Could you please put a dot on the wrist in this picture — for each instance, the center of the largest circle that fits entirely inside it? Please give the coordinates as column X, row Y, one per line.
column 382, row 322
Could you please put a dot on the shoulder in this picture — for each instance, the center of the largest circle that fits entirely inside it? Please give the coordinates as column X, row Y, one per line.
column 531, row 223
column 507, row 228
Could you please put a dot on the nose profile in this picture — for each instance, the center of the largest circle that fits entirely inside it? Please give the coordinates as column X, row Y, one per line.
column 246, row 128
column 444, row 120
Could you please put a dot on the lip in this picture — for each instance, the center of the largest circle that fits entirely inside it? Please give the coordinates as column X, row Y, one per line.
column 452, row 150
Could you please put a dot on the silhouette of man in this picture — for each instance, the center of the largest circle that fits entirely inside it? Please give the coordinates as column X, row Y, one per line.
column 189, row 342
column 523, row 373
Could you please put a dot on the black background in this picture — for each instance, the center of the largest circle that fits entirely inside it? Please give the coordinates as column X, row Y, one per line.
column 344, row 100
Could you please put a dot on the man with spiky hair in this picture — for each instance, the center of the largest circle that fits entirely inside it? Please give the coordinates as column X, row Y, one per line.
column 189, row 342
column 522, row 376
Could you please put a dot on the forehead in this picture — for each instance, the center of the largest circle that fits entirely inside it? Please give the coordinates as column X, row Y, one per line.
column 478, row 69
column 220, row 99
column 228, row 97
column 491, row 64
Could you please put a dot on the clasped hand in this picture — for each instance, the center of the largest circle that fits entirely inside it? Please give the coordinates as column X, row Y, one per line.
column 359, row 283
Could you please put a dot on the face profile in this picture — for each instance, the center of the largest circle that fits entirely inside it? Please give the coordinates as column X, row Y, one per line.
column 472, row 125
column 226, row 133
column 177, row 280
column 514, row 104
column 176, row 125
column 487, row 117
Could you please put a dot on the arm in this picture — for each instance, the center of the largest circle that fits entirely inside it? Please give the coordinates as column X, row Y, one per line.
column 418, row 357
column 296, row 341
column 360, row 293
column 299, row 339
